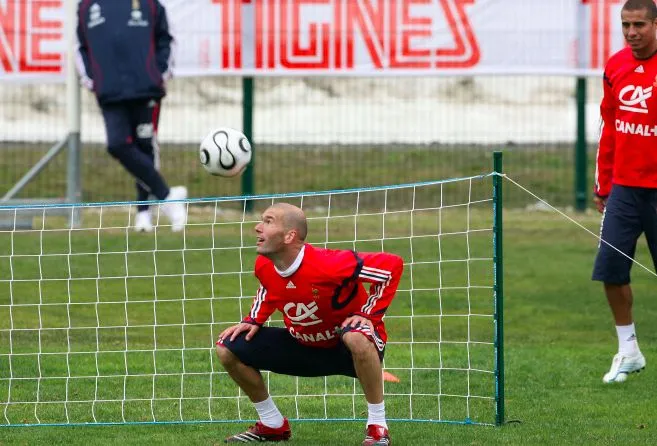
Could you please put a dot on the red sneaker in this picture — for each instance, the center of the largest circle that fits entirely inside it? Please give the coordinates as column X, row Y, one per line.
column 376, row 436
column 260, row 432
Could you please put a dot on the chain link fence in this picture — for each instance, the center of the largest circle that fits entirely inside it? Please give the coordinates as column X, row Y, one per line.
column 321, row 134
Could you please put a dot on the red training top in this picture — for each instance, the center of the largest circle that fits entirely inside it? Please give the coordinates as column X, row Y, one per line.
column 627, row 153
column 323, row 288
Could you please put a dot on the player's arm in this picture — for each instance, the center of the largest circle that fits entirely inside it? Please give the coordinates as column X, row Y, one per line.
column 163, row 42
column 261, row 309
column 82, row 60
column 605, row 158
column 382, row 271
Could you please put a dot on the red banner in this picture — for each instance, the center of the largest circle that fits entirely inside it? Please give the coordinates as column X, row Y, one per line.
column 329, row 37
column 394, row 38
column 31, row 36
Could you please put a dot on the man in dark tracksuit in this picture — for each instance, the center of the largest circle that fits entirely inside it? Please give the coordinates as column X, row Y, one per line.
column 124, row 57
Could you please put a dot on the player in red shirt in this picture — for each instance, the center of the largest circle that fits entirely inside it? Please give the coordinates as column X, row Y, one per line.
column 333, row 325
column 626, row 174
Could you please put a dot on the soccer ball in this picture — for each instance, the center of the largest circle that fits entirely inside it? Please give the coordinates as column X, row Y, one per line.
column 225, row 152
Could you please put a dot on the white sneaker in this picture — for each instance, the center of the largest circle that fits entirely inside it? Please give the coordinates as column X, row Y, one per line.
column 177, row 212
column 624, row 364
column 143, row 222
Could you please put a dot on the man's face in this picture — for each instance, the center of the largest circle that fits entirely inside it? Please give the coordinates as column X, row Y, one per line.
column 270, row 232
column 638, row 29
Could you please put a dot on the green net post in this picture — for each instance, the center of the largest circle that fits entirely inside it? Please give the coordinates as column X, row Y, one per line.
column 498, row 288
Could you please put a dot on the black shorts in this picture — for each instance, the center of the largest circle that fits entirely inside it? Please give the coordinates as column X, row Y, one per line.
column 275, row 349
column 629, row 212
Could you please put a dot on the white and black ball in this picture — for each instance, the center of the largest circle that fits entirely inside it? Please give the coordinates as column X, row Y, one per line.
column 225, row 152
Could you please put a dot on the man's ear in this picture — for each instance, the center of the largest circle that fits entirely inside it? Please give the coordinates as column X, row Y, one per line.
column 290, row 235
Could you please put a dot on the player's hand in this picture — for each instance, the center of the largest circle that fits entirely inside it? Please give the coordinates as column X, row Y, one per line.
column 600, row 203
column 236, row 330
column 358, row 321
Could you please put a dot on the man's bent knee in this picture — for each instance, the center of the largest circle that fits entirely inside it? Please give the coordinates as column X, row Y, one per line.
column 357, row 343
column 226, row 357
column 118, row 151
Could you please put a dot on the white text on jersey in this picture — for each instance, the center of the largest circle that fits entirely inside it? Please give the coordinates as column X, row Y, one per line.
column 303, row 314
column 314, row 337
column 637, row 100
column 636, row 129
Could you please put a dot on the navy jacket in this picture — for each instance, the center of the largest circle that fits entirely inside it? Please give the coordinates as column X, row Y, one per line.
column 124, row 48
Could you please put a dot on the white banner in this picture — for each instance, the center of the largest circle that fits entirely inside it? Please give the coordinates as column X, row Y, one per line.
column 343, row 37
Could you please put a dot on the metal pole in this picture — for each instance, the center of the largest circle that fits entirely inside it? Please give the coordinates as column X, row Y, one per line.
column 247, row 119
column 73, row 111
column 248, row 59
column 34, row 171
column 581, row 195
column 498, row 287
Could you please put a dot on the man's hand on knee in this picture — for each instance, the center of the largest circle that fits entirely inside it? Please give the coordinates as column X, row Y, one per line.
column 357, row 321
column 359, row 335
column 234, row 331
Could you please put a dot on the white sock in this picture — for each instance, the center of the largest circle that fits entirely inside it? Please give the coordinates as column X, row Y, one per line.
column 269, row 414
column 376, row 414
column 627, row 342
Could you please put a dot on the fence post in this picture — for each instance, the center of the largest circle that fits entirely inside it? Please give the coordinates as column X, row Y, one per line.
column 581, row 196
column 247, row 124
column 73, row 111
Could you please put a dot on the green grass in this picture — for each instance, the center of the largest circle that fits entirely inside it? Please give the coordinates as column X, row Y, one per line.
column 559, row 332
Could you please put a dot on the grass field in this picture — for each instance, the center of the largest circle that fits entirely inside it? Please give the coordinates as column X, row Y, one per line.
column 559, row 333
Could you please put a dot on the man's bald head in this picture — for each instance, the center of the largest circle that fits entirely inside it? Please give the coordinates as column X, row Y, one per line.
column 292, row 218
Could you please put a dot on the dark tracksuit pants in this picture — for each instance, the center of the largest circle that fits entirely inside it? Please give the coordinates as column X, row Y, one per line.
column 131, row 129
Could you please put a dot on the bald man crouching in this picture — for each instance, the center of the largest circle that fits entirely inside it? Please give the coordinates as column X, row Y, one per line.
column 333, row 325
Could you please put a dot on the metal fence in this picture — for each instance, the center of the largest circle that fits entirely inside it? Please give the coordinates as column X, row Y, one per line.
column 321, row 134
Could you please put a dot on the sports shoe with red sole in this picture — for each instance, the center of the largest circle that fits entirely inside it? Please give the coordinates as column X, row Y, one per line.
column 260, row 433
column 376, row 436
